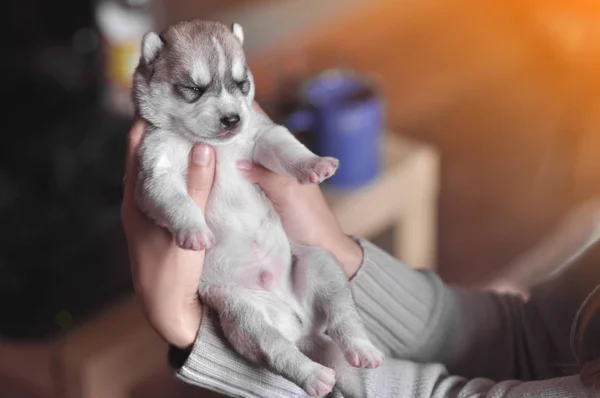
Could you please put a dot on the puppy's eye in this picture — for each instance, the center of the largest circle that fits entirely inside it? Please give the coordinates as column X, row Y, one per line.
column 191, row 93
column 244, row 86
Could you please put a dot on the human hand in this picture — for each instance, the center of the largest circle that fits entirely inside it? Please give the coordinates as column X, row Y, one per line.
column 166, row 277
column 305, row 214
column 506, row 285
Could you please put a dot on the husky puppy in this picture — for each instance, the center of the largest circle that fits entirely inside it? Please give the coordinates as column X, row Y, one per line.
column 279, row 304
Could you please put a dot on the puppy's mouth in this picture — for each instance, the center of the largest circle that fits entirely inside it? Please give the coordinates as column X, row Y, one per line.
column 226, row 135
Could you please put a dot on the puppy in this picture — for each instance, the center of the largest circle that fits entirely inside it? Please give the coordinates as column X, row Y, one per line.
column 281, row 305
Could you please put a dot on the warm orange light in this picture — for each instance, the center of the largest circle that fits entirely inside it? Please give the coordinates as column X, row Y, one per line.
column 574, row 24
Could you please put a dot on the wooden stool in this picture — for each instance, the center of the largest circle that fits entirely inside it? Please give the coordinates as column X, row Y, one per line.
column 403, row 197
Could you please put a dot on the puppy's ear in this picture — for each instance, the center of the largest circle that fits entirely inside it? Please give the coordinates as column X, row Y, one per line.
column 237, row 30
column 152, row 45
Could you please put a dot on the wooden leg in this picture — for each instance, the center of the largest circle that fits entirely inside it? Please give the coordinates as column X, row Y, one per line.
column 415, row 237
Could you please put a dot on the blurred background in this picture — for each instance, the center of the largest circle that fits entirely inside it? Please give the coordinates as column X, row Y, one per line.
column 505, row 92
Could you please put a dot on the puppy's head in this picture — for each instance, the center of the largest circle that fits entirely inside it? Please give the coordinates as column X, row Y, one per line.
column 193, row 79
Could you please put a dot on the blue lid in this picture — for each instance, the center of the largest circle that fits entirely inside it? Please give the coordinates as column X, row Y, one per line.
column 333, row 87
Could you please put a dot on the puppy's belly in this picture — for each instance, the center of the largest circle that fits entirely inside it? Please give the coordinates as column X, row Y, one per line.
column 282, row 313
column 260, row 272
column 253, row 257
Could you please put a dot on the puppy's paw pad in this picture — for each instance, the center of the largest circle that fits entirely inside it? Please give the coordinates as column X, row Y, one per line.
column 195, row 239
column 363, row 354
column 320, row 382
column 326, row 167
column 317, row 170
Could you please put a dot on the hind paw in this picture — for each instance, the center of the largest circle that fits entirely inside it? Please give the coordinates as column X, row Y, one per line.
column 362, row 353
column 320, row 382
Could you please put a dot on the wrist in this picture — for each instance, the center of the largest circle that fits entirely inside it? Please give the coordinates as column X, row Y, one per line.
column 348, row 252
column 178, row 328
column 190, row 328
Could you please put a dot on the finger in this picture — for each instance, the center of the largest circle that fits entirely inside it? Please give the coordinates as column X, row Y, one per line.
column 201, row 173
column 256, row 173
column 273, row 184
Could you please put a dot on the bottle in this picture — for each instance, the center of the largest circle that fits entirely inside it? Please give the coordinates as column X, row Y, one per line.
column 121, row 25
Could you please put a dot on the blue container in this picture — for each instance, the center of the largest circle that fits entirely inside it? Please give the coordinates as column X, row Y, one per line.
column 346, row 115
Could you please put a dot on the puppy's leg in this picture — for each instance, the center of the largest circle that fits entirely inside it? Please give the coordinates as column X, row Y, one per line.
column 165, row 199
column 329, row 292
column 278, row 150
column 246, row 328
column 349, row 380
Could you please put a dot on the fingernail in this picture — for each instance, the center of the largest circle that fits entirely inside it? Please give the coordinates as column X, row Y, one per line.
column 201, row 155
column 244, row 165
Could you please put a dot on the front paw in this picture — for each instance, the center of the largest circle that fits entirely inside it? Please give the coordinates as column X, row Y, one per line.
column 195, row 238
column 316, row 170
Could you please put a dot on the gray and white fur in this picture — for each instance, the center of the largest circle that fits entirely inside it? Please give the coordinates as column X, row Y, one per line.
column 281, row 305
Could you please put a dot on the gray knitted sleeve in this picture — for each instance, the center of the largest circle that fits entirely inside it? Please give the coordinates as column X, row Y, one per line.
column 430, row 332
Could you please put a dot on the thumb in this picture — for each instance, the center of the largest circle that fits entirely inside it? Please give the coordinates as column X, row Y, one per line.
column 201, row 173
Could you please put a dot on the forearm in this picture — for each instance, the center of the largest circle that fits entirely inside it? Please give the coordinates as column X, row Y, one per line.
column 213, row 365
column 412, row 314
column 347, row 251
column 399, row 378
column 404, row 310
column 161, row 287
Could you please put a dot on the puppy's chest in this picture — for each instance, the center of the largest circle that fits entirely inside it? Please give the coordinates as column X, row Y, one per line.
column 236, row 204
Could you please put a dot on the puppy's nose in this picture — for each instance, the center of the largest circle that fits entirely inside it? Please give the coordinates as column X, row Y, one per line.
column 230, row 121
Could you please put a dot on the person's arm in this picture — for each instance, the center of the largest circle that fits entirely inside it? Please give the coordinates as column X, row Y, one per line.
column 480, row 336
column 400, row 378
column 213, row 365
column 413, row 315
